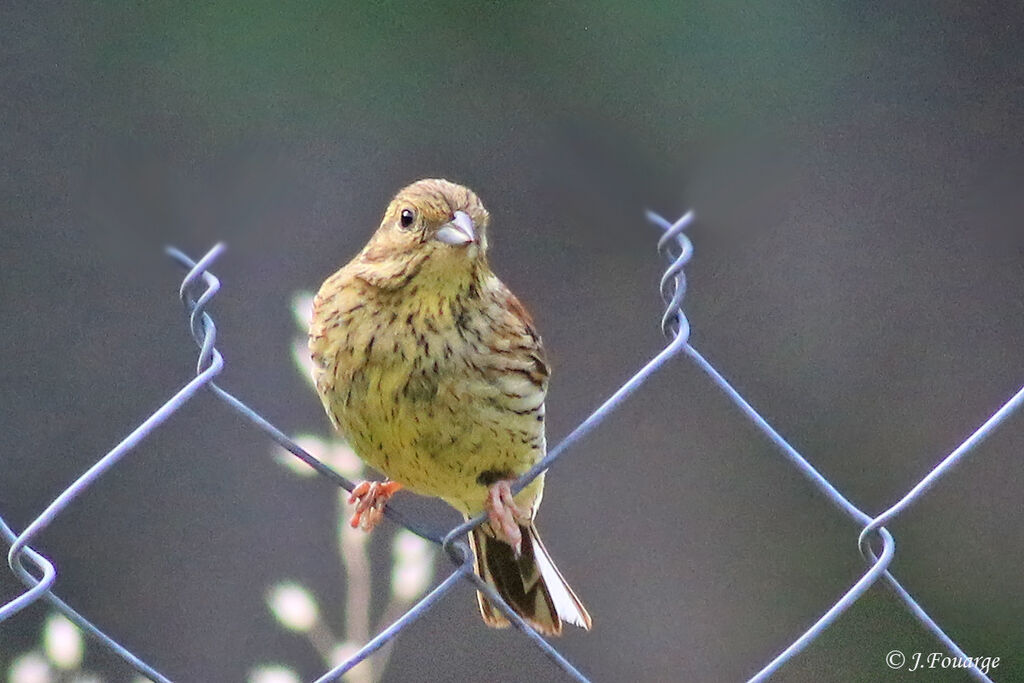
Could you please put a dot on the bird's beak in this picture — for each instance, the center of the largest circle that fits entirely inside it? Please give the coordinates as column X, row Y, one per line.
column 458, row 232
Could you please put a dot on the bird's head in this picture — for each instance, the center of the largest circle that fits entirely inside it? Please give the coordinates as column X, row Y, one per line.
column 432, row 227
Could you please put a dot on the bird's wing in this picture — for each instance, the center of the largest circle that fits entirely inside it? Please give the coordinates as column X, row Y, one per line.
column 515, row 362
column 339, row 298
column 530, row 343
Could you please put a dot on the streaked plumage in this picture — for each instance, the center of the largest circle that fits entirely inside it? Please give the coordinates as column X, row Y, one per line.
column 432, row 369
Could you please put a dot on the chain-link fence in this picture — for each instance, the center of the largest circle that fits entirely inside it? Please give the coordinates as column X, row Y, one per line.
column 875, row 543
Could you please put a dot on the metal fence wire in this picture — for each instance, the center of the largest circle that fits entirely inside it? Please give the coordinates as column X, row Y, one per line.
column 200, row 286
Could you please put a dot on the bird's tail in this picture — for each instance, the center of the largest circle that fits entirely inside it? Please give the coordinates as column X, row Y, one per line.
column 531, row 583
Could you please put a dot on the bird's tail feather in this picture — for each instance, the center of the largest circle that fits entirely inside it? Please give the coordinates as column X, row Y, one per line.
column 531, row 583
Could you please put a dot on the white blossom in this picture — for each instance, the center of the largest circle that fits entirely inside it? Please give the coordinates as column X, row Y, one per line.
column 313, row 445
column 344, row 460
column 302, row 309
column 412, row 566
column 30, row 667
column 86, row 678
column 62, row 642
column 300, row 354
column 342, row 651
column 293, row 606
column 273, row 673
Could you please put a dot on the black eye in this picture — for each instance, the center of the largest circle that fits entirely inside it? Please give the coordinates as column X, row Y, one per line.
column 407, row 218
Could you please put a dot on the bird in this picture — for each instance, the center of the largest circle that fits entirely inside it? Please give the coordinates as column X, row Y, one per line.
column 434, row 373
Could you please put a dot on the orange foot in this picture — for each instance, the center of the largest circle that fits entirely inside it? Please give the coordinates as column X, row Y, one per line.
column 369, row 498
column 504, row 514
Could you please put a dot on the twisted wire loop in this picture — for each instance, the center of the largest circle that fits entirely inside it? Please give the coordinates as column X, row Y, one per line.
column 41, row 588
column 200, row 286
column 873, row 527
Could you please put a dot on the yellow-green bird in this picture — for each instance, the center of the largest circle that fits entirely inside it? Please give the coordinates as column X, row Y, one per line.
column 432, row 369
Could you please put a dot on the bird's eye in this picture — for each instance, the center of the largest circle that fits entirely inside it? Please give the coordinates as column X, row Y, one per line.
column 407, row 218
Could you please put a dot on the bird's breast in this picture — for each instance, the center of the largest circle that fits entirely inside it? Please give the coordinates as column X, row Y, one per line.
column 421, row 393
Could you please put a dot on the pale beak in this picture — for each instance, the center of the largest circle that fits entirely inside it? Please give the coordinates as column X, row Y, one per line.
column 458, row 232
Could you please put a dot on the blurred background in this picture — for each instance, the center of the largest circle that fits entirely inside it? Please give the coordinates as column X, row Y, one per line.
column 859, row 274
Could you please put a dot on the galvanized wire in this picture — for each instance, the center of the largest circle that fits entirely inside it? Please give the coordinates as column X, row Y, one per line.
column 872, row 526
column 200, row 286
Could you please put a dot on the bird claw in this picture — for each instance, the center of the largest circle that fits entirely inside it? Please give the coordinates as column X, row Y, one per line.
column 504, row 515
column 370, row 497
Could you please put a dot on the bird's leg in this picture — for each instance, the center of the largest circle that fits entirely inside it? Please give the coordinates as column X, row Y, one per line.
column 369, row 498
column 504, row 514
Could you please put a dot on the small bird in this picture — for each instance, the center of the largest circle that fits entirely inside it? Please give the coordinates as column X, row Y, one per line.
column 432, row 369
